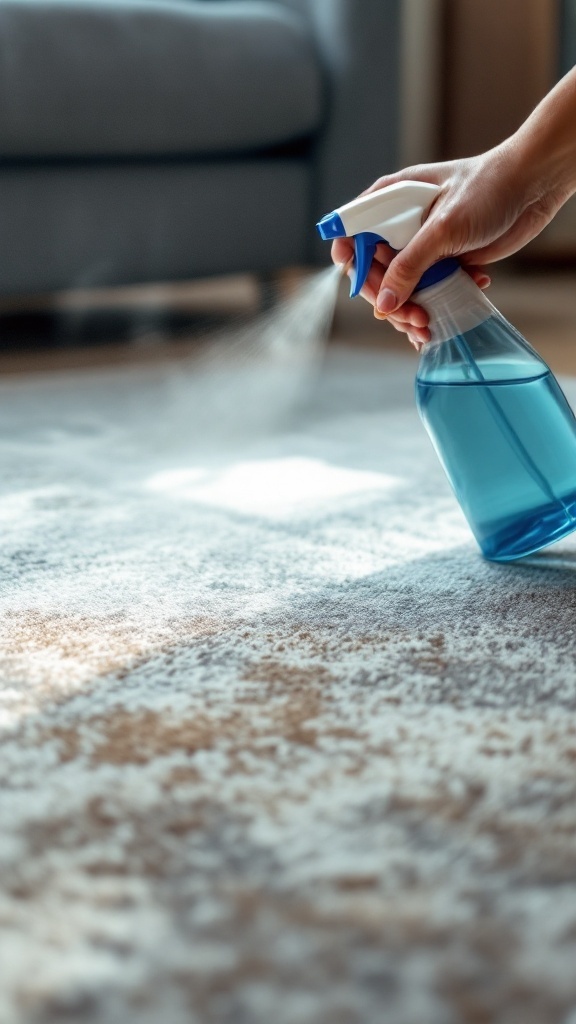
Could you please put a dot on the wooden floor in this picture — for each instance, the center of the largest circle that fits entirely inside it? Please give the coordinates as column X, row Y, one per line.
column 143, row 324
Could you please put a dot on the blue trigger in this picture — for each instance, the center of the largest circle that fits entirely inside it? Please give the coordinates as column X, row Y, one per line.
column 365, row 243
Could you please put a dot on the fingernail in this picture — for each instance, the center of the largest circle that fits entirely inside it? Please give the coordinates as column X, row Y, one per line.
column 386, row 301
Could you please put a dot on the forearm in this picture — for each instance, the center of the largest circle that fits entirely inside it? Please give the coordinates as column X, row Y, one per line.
column 545, row 144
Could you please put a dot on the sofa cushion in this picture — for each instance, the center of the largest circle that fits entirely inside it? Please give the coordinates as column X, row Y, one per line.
column 153, row 77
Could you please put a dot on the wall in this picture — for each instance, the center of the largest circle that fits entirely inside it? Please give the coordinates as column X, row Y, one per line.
column 473, row 71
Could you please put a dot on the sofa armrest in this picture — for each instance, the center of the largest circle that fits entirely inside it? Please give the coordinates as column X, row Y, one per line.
column 359, row 47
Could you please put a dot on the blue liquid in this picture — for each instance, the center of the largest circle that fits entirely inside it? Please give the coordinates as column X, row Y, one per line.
column 509, row 449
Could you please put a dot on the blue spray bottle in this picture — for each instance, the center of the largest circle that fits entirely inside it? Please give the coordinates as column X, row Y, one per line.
column 495, row 413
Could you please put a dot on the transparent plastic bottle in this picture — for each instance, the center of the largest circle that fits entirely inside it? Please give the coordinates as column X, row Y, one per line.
column 499, row 422
column 496, row 415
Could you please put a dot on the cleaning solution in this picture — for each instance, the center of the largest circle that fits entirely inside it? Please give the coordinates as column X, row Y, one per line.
column 495, row 413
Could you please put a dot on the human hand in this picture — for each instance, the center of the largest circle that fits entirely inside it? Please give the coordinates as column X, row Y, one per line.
column 410, row 318
column 489, row 207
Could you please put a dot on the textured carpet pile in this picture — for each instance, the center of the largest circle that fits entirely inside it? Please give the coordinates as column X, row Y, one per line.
column 278, row 746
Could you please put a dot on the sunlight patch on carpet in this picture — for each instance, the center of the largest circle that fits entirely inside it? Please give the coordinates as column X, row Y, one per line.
column 273, row 488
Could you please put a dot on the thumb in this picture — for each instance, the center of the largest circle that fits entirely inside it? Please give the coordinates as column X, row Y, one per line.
column 406, row 269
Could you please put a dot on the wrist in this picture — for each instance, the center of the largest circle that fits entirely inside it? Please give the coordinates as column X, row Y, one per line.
column 546, row 163
column 544, row 146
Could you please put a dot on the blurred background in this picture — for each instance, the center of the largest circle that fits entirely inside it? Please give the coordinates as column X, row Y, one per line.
column 163, row 163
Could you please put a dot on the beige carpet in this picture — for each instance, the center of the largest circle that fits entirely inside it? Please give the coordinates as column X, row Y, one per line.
column 278, row 746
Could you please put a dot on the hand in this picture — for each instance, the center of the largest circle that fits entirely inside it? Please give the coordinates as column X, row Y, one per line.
column 410, row 318
column 489, row 207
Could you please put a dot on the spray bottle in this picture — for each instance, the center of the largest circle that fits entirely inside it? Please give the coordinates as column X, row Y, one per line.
column 495, row 413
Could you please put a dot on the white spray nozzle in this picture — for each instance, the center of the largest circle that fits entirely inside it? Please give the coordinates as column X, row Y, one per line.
column 395, row 212
column 392, row 214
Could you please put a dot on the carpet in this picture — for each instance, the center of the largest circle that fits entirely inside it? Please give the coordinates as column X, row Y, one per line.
column 278, row 746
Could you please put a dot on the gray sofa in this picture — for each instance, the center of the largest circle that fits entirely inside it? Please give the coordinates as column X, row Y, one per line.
column 147, row 140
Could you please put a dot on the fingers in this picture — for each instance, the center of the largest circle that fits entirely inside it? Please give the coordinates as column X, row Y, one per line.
column 417, row 336
column 342, row 250
column 384, row 254
column 382, row 259
column 407, row 268
column 412, row 320
column 479, row 276
column 409, row 316
column 372, row 283
column 413, row 315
